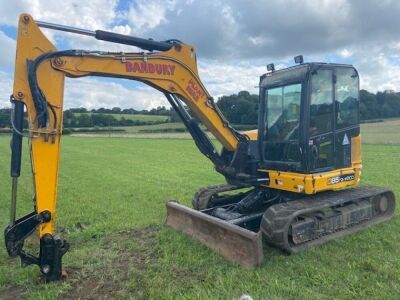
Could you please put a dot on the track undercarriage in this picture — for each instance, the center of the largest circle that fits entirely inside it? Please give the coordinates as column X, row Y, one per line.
column 289, row 222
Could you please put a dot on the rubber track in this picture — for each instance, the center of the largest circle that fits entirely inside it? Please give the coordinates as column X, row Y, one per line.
column 276, row 221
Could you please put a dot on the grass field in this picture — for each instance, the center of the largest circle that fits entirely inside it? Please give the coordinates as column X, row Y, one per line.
column 386, row 132
column 142, row 132
column 111, row 208
column 137, row 117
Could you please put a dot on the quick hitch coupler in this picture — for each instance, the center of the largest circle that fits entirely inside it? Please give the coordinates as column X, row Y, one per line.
column 52, row 248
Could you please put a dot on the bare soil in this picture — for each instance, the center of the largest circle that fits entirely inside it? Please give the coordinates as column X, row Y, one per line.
column 135, row 249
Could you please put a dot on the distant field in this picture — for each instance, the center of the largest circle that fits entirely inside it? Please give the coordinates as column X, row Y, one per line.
column 111, row 208
column 137, row 129
column 386, row 132
column 143, row 132
column 135, row 117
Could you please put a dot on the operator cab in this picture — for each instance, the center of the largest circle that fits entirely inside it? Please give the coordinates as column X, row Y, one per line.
column 309, row 114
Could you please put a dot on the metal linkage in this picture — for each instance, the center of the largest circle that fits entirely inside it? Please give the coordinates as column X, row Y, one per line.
column 52, row 248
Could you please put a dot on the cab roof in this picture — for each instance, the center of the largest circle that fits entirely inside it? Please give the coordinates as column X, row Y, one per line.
column 295, row 73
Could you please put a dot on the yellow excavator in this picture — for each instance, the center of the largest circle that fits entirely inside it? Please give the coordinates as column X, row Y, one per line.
column 288, row 182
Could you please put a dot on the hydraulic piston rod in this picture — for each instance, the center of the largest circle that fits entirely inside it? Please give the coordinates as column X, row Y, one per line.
column 16, row 150
column 111, row 37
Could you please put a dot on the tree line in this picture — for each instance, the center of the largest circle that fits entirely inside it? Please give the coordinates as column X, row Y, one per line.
column 82, row 119
column 159, row 111
column 102, row 117
column 241, row 108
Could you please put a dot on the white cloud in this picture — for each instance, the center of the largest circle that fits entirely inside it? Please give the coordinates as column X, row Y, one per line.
column 345, row 53
column 377, row 73
column 91, row 15
column 225, row 79
column 10, row 11
column 148, row 14
column 7, row 55
column 97, row 14
column 378, row 65
column 96, row 93
column 5, row 89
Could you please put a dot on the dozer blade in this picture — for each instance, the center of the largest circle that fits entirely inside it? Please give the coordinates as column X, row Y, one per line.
column 231, row 241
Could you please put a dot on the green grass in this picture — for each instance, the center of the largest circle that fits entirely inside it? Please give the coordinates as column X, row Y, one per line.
column 111, row 208
column 137, row 117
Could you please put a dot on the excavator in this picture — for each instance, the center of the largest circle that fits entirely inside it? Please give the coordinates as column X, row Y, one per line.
column 292, row 183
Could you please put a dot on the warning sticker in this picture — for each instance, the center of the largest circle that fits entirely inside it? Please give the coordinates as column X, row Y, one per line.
column 345, row 140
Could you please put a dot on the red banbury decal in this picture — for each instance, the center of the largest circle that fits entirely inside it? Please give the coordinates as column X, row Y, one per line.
column 150, row 68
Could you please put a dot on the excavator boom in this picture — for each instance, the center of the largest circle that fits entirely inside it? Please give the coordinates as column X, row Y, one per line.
column 40, row 70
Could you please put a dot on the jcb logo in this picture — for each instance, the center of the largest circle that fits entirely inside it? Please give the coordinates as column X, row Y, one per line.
column 339, row 179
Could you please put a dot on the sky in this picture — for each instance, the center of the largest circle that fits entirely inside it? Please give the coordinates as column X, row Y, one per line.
column 234, row 41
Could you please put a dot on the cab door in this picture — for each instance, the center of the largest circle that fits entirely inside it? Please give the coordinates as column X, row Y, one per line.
column 347, row 124
column 282, row 139
column 333, row 117
column 320, row 130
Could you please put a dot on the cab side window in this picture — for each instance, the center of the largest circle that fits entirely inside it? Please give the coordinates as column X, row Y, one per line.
column 346, row 97
column 321, row 102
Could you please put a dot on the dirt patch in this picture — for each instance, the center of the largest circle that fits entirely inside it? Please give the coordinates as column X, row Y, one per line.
column 134, row 252
column 12, row 292
column 126, row 264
